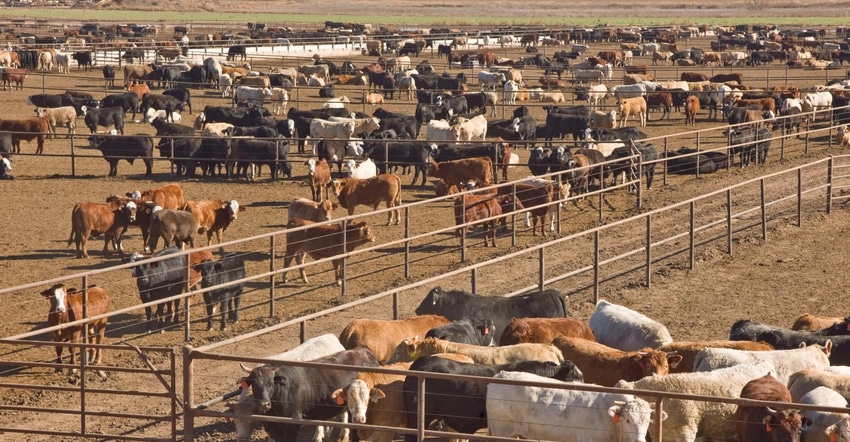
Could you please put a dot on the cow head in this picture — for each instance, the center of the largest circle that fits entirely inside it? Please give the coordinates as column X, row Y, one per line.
column 129, row 210
column 95, row 141
column 654, row 363
column 265, row 381
column 357, row 397
column 233, row 208
column 311, row 166
column 784, row 425
column 337, row 186
column 57, row 295
column 632, row 417
column 839, row 431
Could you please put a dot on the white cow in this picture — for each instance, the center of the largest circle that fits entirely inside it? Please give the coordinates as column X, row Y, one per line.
column 366, row 169
column 596, row 93
column 254, row 95
column 366, row 124
column 815, row 101
column 836, row 378
column 314, row 348
column 688, row 419
column 225, row 84
column 213, row 68
column 591, row 75
column 336, row 103
column 62, row 61
column 510, row 91
column 332, row 130
column 59, row 116
column 786, row 362
column 625, row 329
column 506, row 40
column 603, row 120
column 472, row 129
column 627, row 91
column 826, row 426
column 489, row 80
column 152, row 114
column 407, row 84
column 542, row 413
column 439, row 130
column 279, row 98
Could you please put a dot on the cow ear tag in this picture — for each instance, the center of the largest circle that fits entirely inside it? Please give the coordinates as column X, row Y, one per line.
column 486, row 330
column 767, row 427
column 616, row 418
column 243, row 385
column 340, row 400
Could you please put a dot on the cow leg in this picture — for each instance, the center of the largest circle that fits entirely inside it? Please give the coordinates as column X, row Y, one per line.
column 59, row 355
column 224, row 306
column 209, row 303
column 299, row 259
column 337, row 264
column 233, row 313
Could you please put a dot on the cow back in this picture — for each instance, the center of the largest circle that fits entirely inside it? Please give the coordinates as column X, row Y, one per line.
column 544, row 330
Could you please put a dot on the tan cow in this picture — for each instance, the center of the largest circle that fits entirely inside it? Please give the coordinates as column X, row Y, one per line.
column 416, row 348
column 321, row 242
column 169, row 196
column 457, row 172
column 383, row 337
column 544, row 330
column 214, row 216
column 813, row 322
column 606, row 366
column 632, row 106
column 310, row 210
column 386, row 187
column 692, row 106
column 66, row 305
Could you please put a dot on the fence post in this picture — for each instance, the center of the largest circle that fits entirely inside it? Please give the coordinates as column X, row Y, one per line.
column 84, row 357
column 407, row 242
column 272, row 276
column 188, row 395
column 763, row 212
column 665, row 161
column 463, row 232
column 513, row 217
column 302, row 331
column 420, row 408
column 595, row 267
column 395, row 305
column 188, row 303
column 782, row 148
column 691, row 234
column 806, row 148
column 541, row 268
column 648, row 250
column 829, row 177
column 729, row 221
column 474, row 279
column 342, row 271
column 73, row 156
column 800, row 197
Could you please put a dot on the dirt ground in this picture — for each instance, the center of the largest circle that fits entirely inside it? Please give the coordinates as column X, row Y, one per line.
column 797, row 270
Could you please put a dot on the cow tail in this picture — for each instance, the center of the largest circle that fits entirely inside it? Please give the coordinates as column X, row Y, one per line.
column 563, row 300
column 398, row 193
column 71, row 236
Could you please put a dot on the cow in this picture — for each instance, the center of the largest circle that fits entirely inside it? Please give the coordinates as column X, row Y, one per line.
column 166, row 103
column 16, row 76
column 27, row 129
column 559, row 125
column 474, row 128
column 251, row 151
column 823, row 425
column 67, row 305
column 83, row 59
column 139, row 90
column 235, row 51
column 804, row 381
column 182, row 95
column 310, row 210
column 811, row 322
column 689, row 350
column 490, row 80
column 127, row 102
column 108, row 116
column 472, row 208
column 214, row 216
column 466, row 412
column 320, row 177
column 460, row 171
column 128, row 148
column 632, row 106
column 785, row 362
column 60, row 116
column 606, row 366
column 814, row 101
column 764, row 423
column 174, row 226
column 383, row 337
column 385, row 154
column 457, row 304
column 366, row 169
column 750, row 144
column 692, row 106
column 230, row 267
column 548, row 412
column 544, row 330
column 624, row 329
column 323, row 241
column 169, row 196
column 308, row 392
column 465, row 331
column 164, row 279
column 782, row 338
column 110, row 219
column 386, row 187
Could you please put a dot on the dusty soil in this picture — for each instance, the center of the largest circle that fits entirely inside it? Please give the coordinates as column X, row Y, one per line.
column 797, row 270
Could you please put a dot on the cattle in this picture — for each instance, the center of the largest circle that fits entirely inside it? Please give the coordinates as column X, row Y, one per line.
column 648, row 156
column 457, row 304
column 62, row 63
column 632, row 106
column 472, row 208
column 332, row 131
column 319, row 176
column 765, row 423
column 811, row 322
column 823, row 425
column 174, row 227
column 604, row 120
column 164, row 279
column 60, row 116
column 416, row 155
column 239, row 116
column 472, row 129
column 169, row 196
column 790, row 120
column 751, row 144
column 108, row 116
column 230, row 267
column 161, row 102
column 310, row 210
column 427, row 112
column 308, row 391
column 466, row 413
column 134, row 54
column 689, row 419
column 139, row 90
column 110, row 219
column 544, row 330
column 460, row 171
column 323, row 241
column 366, row 169
column 490, row 80
column 548, row 412
column 834, row 378
column 814, row 101
column 68, row 305
column 312, row 348
column 26, row 129
column 692, row 106
column 782, row 338
column 83, row 59
column 115, row 149
column 559, row 125
column 214, row 216
column 726, row 78
column 536, row 197
column 663, row 100
column 127, row 102
column 319, row 71
column 625, row 329
column 627, row 91
column 465, row 331
column 785, row 362
column 383, row 337
column 182, row 95
column 606, row 366
column 386, row 188
column 689, row 349
column 252, row 95
column 45, row 100
column 235, row 51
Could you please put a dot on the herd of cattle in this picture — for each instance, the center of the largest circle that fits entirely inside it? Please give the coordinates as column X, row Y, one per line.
column 532, row 338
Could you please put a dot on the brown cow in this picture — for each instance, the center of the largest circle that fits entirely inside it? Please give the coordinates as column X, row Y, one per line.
column 486, row 58
column 633, row 106
column 606, row 366
column 544, row 330
column 137, row 73
column 214, row 216
column 535, row 198
column 320, row 177
column 457, row 172
column 382, row 337
column 689, row 349
column 169, row 196
column 17, row 76
column 578, row 174
column 139, row 89
column 27, row 129
column 110, row 219
column 323, row 241
column 693, row 77
column 66, row 305
column 764, row 423
column 727, row 78
column 310, row 210
column 470, row 208
column 692, row 106
column 664, row 100
column 812, row 322
column 766, row 104
column 386, row 187
column 144, row 212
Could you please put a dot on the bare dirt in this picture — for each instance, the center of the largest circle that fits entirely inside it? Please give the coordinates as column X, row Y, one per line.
column 797, row 270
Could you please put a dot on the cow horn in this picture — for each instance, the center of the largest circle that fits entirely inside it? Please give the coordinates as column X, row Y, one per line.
column 245, row 368
column 770, row 411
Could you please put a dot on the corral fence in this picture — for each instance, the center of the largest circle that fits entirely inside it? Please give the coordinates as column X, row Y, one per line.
column 623, row 248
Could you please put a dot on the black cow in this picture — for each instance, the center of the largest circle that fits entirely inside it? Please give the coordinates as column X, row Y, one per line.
column 105, row 116
column 382, row 113
column 759, row 58
column 303, row 393
column 84, row 59
column 349, row 68
column 115, row 149
column 479, row 100
column 182, row 95
column 196, row 75
column 253, row 151
column 447, row 83
column 237, row 116
column 180, row 150
column 133, row 54
column 624, row 153
column 444, row 50
column 539, row 162
column 458, row 105
column 520, row 129
column 45, row 100
column 230, row 267
column 167, row 75
column 414, row 48
column 785, row 339
column 210, row 155
column 750, row 144
column 333, row 69
column 282, row 81
column 79, row 104
column 407, row 125
column 327, row 91
column 236, row 51
column 165, row 128
column 559, row 125
column 424, row 67
column 684, row 161
column 425, row 82
column 127, row 102
column 28, row 59
column 109, row 75
column 791, row 120
column 465, row 331
column 455, row 151
column 428, row 112
column 416, row 154
column 458, row 304
column 160, row 280
column 620, row 133
column 466, row 410
column 251, row 131
column 6, row 145
column 161, row 102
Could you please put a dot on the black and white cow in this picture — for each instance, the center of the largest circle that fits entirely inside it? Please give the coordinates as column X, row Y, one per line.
column 785, row 339
column 228, row 268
